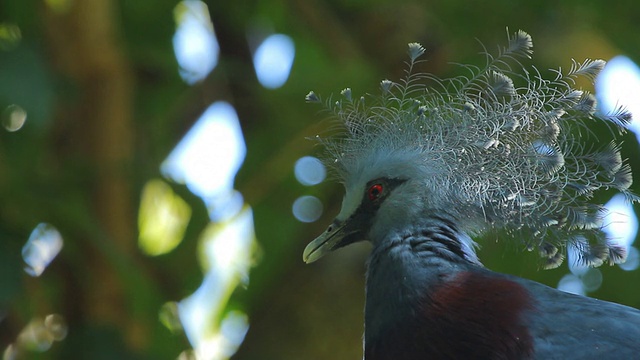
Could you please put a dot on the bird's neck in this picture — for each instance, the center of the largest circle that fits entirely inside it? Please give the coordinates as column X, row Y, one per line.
column 406, row 265
column 425, row 291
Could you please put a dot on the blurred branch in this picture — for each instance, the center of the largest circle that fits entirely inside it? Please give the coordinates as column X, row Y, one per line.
column 86, row 47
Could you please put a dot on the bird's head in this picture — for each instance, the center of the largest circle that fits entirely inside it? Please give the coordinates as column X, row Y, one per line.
column 361, row 209
column 483, row 151
column 385, row 191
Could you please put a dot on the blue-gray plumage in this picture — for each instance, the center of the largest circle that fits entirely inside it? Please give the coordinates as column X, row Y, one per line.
column 423, row 171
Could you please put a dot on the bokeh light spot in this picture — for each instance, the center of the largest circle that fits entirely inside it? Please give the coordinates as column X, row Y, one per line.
column 633, row 260
column 188, row 355
column 619, row 85
column 572, row 284
column 209, row 156
column 576, row 264
column 162, row 219
column 10, row 36
column 40, row 333
column 621, row 222
column 226, row 254
column 169, row 316
column 207, row 160
column 56, row 326
column 234, row 328
column 273, row 60
column 44, row 244
column 591, row 280
column 621, row 226
column 194, row 42
column 309, row 171
column 307, row 208
column 13, row 118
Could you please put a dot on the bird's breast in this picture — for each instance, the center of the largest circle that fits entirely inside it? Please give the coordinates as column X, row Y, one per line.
column 471, row 314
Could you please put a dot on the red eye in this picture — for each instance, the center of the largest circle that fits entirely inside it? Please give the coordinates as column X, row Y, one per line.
column 375, row 191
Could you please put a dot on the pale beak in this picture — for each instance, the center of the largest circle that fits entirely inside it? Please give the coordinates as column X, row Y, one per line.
column 336, row 236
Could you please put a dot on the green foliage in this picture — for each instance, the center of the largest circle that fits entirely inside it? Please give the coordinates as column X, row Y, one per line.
column 105, row 106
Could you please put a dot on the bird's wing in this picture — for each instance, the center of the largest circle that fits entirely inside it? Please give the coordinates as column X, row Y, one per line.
column 568, row 326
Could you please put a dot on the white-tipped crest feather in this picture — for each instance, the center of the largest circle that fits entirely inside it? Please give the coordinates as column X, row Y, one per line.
column 500, row 148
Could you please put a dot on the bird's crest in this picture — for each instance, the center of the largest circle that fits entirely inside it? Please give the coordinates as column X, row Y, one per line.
column 501, row 148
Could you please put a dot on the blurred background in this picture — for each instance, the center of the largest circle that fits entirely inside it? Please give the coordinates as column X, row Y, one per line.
column 157, row 188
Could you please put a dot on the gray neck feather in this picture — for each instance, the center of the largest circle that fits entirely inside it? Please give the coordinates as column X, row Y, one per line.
column 405, row 265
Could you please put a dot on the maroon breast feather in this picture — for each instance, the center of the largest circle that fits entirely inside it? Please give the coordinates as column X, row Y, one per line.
column 471, row 316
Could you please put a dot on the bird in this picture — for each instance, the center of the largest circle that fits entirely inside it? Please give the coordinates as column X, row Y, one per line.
column 431, row 163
